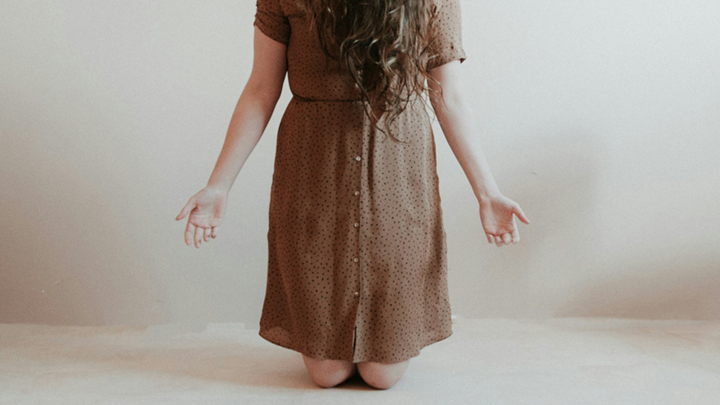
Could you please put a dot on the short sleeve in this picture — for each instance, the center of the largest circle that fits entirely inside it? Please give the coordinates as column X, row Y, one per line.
column 271, row 20
column 447, row 29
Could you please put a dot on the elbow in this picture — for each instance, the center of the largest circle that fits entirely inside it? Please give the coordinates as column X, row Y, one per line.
column 262, row 89
column 267, row 95
column 452, row 99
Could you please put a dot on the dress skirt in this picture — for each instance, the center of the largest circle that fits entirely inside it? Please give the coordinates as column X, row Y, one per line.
column 357, row 255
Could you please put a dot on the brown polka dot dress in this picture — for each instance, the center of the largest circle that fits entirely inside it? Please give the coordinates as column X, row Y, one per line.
column 357, row 265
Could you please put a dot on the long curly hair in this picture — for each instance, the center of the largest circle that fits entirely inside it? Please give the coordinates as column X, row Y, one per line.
column 385, row 46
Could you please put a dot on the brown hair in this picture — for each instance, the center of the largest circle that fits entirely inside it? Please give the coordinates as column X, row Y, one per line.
column 384, row 44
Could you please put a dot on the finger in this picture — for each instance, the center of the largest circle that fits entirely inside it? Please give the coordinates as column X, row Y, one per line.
column 507, row 238
column 490, row 238
column 198, row 236
column 515, row 235
column 520, row 214
column 189, row 230
column 214, row 231
column 498, row 241
column 186, row 209
column 207, row 234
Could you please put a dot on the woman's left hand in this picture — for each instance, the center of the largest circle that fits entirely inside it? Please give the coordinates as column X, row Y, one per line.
column 496, row 214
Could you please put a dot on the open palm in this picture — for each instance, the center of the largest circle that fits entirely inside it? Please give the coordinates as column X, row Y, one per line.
column 206, row 209
column 496, row 214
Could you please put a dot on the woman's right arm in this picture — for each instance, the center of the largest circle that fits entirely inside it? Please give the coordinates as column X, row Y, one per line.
column 252, row 114
column 458, row 124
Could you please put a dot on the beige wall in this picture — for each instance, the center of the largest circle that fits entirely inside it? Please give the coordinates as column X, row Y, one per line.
column 599, row 117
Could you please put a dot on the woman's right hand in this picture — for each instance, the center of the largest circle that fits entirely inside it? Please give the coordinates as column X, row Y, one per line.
column 496, row 215
column 206, row 209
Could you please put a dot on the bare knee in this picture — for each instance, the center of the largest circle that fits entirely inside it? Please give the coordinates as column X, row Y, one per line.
column 327, row 372
column 382, row 375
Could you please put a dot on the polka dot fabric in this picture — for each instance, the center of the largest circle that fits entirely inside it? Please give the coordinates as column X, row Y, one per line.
column 357, row 258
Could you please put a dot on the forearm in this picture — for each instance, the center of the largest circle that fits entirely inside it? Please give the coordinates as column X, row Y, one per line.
column 457, row 121
column 251, row 116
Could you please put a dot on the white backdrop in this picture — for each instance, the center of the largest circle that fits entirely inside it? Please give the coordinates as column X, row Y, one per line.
column 600, row 117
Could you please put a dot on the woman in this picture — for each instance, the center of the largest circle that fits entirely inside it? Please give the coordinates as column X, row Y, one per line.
column 357, row 267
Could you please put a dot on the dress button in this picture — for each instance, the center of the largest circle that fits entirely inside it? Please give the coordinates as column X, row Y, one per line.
column 357, row 158
column 357, row 193
column 356, row 225
column 355, row 260
column 357, row 293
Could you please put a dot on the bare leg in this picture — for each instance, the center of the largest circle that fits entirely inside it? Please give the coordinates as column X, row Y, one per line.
column 382, row 375
column 329, row 373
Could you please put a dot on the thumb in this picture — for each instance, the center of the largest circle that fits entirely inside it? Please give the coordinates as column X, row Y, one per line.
column 520, row 214
column 186, row 209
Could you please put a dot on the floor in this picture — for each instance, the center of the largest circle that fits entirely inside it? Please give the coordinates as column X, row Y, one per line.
column 490, row 361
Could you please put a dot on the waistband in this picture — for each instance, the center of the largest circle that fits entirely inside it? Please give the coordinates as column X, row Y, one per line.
column 306, row 99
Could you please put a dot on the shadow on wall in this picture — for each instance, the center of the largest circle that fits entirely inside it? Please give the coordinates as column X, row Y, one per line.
column 667, row 290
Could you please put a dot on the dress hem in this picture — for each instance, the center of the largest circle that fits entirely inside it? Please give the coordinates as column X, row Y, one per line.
column 435, row 338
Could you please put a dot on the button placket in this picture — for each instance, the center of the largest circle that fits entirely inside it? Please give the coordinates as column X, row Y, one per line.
column 359, row 267
column 357, row 224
